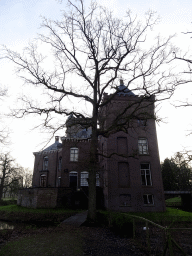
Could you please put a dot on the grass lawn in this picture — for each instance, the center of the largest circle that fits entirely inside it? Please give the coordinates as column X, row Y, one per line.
column 22, row 214
column 68, row 241
column 174, row 200
column 171, row 214
column 47, row 244
column 16, row 208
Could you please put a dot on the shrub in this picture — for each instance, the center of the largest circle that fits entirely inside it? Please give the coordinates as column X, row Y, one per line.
column 8, row 202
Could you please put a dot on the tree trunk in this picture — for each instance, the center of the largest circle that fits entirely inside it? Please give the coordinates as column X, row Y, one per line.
column 93, row 162
column 1, row 191
column 2, row 184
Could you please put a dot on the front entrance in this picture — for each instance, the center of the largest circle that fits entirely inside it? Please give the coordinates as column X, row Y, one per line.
column 73, row 180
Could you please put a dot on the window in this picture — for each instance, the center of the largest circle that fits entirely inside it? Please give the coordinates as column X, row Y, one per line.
column 60, row 163
column 124, row 179
column 45, row 163
column 59, row 182
column 143, row 146
column 122, row 145
column 74, row 154
column 97, row 180
column 73, row 179
column 145, row 174
column 84, row 179
column 148, row 199
column 43, row 180
column 125, row 200
column 102, row 150
column 142, row 122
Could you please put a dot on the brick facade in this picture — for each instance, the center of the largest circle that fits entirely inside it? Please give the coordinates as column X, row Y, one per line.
column 129, row 177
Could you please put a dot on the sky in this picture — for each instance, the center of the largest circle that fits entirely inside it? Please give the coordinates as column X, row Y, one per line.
column 19, row 24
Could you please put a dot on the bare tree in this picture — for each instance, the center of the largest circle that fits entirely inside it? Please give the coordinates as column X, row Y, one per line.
column 4, row 131
column 10, row 175
column 27, row 177
column 95, row 49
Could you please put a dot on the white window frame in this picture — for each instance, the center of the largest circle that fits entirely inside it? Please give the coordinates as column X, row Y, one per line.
column 84, row 183
column 84, row 179
column 74, row 154
column 150, row 199
column 145, row 175
column 143, row 146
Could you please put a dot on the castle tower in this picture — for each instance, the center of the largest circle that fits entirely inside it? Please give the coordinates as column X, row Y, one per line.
column 132, row 175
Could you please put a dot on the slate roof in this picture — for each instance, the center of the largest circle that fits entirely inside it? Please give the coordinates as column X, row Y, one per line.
column 123, row 90
column 54, row 146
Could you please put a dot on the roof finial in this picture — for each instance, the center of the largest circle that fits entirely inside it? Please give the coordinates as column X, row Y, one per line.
column 56, row 138
column 121, row 81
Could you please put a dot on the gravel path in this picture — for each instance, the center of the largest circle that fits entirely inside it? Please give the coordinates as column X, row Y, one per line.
column 103, row 242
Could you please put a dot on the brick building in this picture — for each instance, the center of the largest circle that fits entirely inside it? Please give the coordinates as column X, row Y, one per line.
column 129, row 175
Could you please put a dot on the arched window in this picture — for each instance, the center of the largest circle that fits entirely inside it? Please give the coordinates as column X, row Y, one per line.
column 74, row 152
column 45, row 163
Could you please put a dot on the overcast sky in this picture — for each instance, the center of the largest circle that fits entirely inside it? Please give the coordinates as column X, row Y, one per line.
column 20, row 22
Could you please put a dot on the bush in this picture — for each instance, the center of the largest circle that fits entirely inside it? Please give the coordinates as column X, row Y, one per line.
column 122, row 224
column 8, row 202
column 119, row 223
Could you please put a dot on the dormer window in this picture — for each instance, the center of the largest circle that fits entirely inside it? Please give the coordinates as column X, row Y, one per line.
column 45, row 163
column 74, row 152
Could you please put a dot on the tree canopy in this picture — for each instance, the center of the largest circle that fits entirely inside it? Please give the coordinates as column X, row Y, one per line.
column 176, row 173
column 88, row 51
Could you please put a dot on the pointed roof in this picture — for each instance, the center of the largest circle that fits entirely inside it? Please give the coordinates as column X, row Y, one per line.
column 123, row 90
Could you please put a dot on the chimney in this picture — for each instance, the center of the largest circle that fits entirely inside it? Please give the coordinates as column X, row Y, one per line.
column 56, row 138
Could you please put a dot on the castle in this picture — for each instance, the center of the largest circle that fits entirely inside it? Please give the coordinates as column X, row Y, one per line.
column 129, row 175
